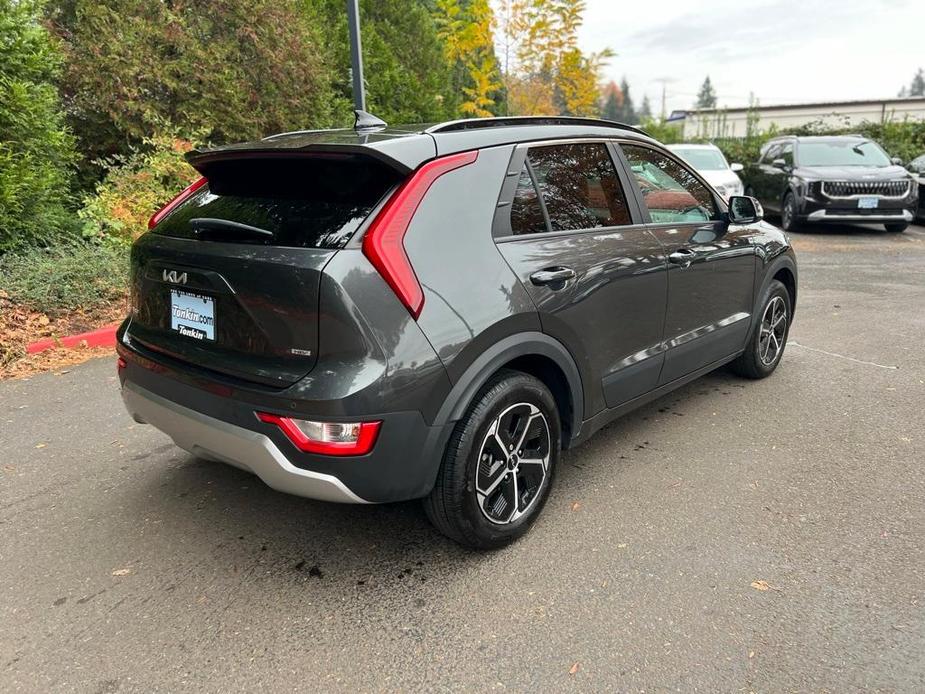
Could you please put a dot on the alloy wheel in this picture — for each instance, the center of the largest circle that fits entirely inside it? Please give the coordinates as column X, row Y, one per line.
column 787, row 213
column 773, row 331
column 513, row 463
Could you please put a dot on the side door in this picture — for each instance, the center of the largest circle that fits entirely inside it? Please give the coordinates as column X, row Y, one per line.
column 569, row 226
column 711, row 264
column 780, row 179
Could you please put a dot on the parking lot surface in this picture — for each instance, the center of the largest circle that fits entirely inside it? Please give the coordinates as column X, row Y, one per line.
column 732, row 536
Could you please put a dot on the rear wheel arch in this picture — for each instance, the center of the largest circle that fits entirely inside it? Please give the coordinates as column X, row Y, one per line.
column 533, row 353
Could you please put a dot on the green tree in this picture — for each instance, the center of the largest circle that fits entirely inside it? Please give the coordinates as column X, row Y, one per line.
column 236, row 69
column 612, row 103
column 408, row 76
column 36, row 150
column 628, row 111
column 645, row 111
column 706, row 97
column 917, row 86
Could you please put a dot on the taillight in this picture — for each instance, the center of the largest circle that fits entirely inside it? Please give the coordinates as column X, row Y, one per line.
column 326, row 438
column 384, row 240
column 170, row 206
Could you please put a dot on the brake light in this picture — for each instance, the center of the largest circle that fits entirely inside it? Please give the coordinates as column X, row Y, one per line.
column 384, row 240
column 170, row 206
column 326, row 438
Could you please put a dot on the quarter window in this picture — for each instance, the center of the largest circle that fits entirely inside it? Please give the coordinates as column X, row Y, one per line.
column 526, row 211
column 671, row 192
column 579, row 186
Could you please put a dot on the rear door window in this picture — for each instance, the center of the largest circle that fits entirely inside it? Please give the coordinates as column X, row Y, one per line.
column 670, row 191
column 578, row 185
column 304, row 202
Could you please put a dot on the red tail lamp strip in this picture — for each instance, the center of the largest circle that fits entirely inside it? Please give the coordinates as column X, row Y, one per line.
column 384, row 241
column 369, row 431
column 172, row 205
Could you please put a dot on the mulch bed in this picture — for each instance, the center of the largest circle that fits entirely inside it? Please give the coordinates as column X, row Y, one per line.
column 20, row 326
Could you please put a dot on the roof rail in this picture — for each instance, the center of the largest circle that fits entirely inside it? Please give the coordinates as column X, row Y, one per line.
column 503, row 121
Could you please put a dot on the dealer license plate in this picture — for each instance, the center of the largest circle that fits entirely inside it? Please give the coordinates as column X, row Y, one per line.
column 192, row 315
column 868, row 202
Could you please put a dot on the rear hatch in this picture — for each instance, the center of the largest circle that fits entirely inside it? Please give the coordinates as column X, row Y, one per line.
column 229, row 279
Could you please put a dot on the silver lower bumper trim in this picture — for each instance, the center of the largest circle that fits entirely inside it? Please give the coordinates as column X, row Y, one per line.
column 823, row 216
column 250, row 450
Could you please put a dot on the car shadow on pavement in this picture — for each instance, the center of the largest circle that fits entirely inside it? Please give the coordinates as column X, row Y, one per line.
column 213, row 514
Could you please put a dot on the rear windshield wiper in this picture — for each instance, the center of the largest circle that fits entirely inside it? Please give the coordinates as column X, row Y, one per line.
column 208, row 224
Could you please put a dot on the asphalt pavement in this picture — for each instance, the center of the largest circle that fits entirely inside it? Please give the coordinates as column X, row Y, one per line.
column 733, row 536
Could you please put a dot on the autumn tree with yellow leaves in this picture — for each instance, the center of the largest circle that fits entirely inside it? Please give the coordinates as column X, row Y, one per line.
column 544, row 71
column 467, row 31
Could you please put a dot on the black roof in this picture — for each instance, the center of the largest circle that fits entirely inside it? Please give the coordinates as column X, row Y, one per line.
column 405, row 147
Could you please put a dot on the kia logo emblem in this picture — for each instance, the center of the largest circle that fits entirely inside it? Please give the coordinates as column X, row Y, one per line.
column 174, row 277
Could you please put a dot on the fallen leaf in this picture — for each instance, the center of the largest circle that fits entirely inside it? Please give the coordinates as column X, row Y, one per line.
column 121, row 572
column 576, row 505
column 760, row 585
column 41, row 445
column 572, row 670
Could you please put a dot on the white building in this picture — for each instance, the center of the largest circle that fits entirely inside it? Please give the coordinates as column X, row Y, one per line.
column 736, row 122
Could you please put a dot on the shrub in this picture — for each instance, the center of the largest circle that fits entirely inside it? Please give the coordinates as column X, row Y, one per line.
column 60, row 279
column 36, row 151
column 135, row 187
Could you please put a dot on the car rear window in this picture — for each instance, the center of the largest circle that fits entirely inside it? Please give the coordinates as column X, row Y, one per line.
column 303, row 202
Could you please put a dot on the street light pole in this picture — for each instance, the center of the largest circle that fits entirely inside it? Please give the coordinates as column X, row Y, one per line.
column 356, row 55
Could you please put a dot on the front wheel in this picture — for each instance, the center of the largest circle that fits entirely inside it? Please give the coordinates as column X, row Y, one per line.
column 769, row 337
column 896, row 227
column 499, row 464
column 788, row 214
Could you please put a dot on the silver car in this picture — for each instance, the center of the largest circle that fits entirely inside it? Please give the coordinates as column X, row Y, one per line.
column 710, row 163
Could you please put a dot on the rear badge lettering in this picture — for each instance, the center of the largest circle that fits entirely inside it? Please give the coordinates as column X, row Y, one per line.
column 301, row 352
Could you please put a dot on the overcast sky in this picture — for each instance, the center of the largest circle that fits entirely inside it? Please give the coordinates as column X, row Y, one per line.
column 782, row 50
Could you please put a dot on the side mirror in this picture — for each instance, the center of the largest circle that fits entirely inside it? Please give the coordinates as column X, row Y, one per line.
column 897, row 160
column 779, row 163
column 736, row 167
column 744, row 210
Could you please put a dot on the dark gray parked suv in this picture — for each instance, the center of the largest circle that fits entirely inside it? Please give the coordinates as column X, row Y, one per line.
column 380, row 314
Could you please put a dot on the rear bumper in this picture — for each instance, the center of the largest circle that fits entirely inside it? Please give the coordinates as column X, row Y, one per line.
column 212, row 438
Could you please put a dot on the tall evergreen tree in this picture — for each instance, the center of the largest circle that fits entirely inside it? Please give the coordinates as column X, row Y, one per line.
column 917, row 87
column 612, row 102
column 645, row 111
column 706, row 98
column 628, row 111
column 36, row 149
column 408, row 75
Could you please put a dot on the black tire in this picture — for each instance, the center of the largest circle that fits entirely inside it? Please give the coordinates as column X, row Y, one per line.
column 896, row 227
column 754, row 361
column 789, row 221
column 454, row 506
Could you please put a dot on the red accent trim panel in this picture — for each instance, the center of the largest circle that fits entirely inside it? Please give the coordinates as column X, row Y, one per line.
column 103, row 337
column 383, row 243
column 170, row 206
column 369, row 431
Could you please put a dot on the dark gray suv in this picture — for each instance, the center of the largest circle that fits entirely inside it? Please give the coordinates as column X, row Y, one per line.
column 382, row 314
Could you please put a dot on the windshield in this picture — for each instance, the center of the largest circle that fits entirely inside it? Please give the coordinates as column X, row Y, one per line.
column 842, row 153
column 702, row 159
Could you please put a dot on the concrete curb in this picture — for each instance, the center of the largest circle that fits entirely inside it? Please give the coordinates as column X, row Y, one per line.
column 101, row 337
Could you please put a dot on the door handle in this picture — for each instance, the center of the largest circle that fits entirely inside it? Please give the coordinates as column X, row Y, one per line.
column 682, row 257
column 552, row 275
